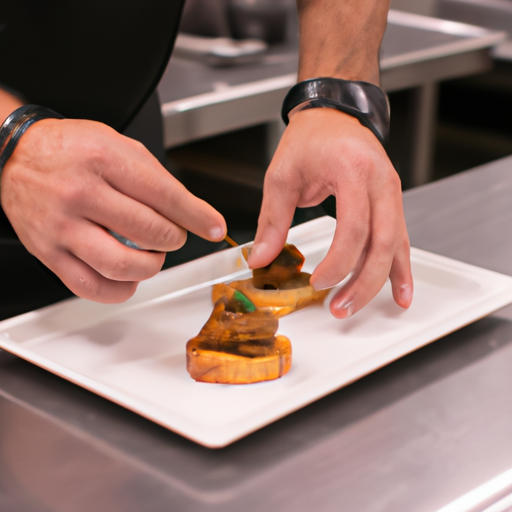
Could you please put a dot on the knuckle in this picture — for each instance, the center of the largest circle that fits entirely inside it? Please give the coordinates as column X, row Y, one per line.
column 394, row 181
column 173, row 237
column 103, row 132
column 137, row 266
column 277, row 178
column 164, row 235
column 383, row 243
column 96, row 153
column 118, row 269
column 137, row 145
column 95, row 147
column 63, row 232
column 73, row 193
column 395, row 178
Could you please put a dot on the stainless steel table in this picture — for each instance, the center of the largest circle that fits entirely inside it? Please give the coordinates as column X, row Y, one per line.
column 411, row 437
column 493, row 14
column 417, row 52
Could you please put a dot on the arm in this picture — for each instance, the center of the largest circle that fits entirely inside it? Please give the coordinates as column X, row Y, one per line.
column 325, row 152
column 341, row 38
column 70, row 180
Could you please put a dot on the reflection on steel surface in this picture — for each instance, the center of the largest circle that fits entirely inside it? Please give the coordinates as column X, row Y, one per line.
column 488, row 497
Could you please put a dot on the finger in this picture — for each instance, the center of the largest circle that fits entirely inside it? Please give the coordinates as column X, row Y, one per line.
column 194, row 214
column 113, row 260
column 85, row 282
column 401, row 278
column 362, row 287
column 147, row 181
column 277, row 209
column 131, row 219
column 375, row 269
column 350, row 239
column 400, row 273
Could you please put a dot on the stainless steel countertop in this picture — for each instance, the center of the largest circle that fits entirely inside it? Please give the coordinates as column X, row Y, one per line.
column 493, row 14
column 411, row 437
column 200, row 101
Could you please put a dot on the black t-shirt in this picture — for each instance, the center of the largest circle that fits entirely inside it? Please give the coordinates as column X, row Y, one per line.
column 89, row 59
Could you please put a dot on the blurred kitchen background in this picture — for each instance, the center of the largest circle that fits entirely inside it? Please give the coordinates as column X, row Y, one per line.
column 235, row 59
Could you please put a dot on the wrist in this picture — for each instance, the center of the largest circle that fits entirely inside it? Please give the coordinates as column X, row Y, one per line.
column 362, row 70
column 16, row 124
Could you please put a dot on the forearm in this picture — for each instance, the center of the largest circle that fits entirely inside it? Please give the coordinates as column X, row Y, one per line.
column 341, row 38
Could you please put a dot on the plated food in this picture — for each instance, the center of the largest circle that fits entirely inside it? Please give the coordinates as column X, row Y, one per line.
column 239, row 343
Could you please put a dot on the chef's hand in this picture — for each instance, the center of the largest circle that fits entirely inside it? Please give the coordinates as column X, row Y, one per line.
column 326, row 152
column 68, row 181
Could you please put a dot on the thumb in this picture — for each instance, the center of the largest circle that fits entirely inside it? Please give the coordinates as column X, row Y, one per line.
column 277, row 209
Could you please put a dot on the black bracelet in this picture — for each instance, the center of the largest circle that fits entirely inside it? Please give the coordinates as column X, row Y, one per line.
column 17, row 124
column 365, row 101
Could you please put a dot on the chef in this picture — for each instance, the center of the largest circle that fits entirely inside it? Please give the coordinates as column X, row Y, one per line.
column 79, row 77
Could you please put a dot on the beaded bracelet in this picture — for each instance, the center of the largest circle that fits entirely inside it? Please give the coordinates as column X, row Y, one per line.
column 17, row 124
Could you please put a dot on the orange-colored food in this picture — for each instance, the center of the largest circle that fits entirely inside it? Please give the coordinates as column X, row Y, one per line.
column 238, row 344
column 280, row 287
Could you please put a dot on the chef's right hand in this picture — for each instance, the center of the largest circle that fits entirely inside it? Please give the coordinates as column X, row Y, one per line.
column 69, row 181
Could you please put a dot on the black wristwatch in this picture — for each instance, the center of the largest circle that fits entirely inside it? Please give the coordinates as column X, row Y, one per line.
column 365, row 101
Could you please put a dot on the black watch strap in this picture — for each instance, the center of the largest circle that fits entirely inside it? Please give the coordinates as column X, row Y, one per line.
column 367, row 102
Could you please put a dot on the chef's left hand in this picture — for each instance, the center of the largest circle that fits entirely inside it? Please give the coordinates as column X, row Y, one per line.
column 326, row 152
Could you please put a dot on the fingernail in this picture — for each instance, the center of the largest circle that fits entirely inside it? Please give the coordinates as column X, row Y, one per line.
column 217, row 233
column 345, row 307
column 332, row 293
column 406, row 293
column 323, row 284
column 320, row 284
column 257, row 250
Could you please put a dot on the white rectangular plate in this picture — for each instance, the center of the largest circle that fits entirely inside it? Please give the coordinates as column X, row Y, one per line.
column 134, row 353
